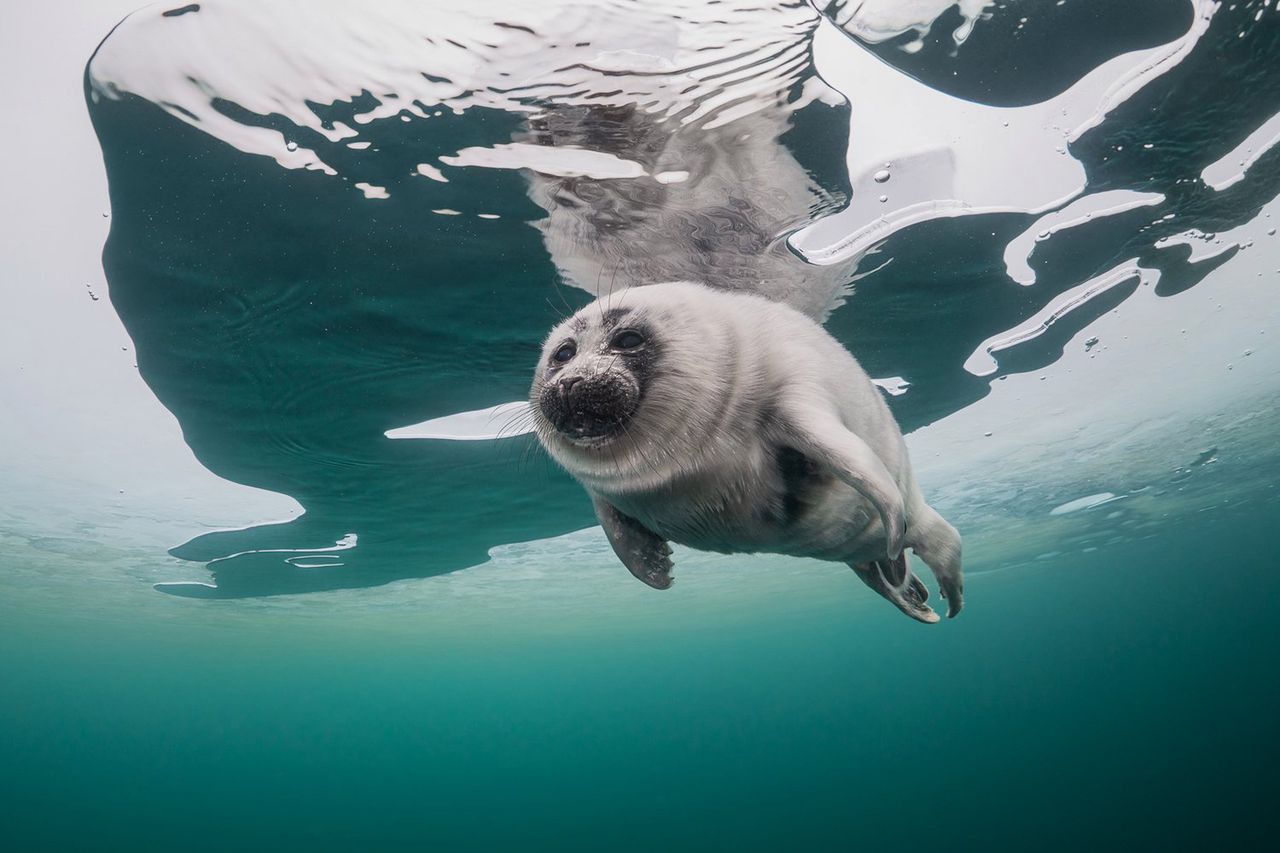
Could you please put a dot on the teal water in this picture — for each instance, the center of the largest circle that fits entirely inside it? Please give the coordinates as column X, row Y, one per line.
column 1119, row 701
column 292, row 631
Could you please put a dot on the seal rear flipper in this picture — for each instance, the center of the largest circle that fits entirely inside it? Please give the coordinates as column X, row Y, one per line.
column 938, row 544
column 645, row 554
column 895, row 571
column 909, row 595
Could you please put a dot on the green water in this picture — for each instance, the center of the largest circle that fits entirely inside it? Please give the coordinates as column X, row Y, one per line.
column 1123, row 700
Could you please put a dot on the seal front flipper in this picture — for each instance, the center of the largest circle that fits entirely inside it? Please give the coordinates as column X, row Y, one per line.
column 893, row 579
column 826, row 439
column 645, row 554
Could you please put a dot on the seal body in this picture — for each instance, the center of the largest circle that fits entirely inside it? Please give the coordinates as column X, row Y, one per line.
column 728, row 422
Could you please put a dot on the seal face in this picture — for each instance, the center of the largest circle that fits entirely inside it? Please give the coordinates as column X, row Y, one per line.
column 593, row 377
column 727, row 422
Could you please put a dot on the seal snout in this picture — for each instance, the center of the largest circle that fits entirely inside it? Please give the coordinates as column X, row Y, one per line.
column 565, row 384
column 588, row 407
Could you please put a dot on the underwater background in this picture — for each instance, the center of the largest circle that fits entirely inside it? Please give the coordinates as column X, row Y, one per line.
column 282, row 568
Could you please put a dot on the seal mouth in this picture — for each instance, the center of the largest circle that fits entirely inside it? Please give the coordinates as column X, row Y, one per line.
column 589, row 429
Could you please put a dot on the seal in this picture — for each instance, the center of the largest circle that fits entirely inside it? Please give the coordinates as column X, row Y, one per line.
column 728, row 422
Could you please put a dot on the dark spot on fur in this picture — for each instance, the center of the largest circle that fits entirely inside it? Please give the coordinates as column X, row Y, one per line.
column 613, row 316
column 799, row 474
column 643, row 362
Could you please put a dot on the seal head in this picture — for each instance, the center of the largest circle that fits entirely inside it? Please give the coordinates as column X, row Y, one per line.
column 593, row 377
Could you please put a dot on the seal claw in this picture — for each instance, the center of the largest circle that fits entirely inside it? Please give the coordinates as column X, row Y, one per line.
column 952, row 590
column 658, row 580
column 909, row 595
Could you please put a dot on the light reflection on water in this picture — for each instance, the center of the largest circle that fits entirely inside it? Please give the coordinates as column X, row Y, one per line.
column 444, row 168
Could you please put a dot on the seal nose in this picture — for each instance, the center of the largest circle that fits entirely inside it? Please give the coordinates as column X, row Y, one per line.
column 567, row 383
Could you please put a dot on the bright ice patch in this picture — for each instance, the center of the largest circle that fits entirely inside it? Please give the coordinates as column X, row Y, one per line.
column 502, row 421
column 372, row 191
column 1017, row 255
column 565, row 161
column 876, row 21
column 1230, row 169
column 1087, row 502
column 983, row 363
column 676, row 177
column 429, row 171
column 894, row 386
column 952, row 157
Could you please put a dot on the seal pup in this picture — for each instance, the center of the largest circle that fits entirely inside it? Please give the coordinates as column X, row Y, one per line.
column 727, row 422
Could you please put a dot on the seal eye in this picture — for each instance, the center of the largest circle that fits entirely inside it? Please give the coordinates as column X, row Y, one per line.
column 566, row 352
column 627, row 339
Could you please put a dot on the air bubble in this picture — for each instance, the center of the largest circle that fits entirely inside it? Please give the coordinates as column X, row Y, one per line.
column 881, row 176
column 883, row 199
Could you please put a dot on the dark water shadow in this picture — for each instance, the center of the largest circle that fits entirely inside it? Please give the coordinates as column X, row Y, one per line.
column 287, row 322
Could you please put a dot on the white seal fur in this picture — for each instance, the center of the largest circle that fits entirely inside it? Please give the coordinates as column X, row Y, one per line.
column 727, row 422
